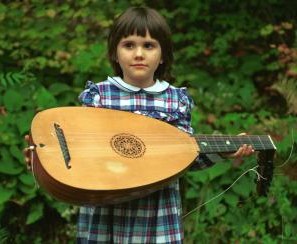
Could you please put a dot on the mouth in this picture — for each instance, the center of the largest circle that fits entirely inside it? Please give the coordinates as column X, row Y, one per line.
column 139, row 65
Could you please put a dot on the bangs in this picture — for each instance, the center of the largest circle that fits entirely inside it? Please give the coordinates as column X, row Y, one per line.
column 139, row 25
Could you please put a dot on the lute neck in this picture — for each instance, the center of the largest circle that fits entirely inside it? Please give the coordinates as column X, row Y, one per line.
column 227, row 143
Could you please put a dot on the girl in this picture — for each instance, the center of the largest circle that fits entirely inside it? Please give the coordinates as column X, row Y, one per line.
column 140, row 51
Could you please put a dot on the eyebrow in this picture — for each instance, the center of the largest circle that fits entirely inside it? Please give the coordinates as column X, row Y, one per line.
column 127, row 40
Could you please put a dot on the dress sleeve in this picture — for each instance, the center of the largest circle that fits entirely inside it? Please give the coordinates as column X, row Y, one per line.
column 184, row 109
column 185, row 106
column 91, row 95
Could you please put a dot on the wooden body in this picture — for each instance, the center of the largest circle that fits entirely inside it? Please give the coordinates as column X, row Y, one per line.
column 100, row 172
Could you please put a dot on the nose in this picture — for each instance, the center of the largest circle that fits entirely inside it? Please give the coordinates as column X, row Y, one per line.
column 139, row 52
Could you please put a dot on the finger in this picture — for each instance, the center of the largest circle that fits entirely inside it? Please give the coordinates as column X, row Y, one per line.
column 27, row 160
column 26, row 155
column 243, row 149
column 27, row 138
column 26, row 151
column 246, row 149
column 250, row 150
column 239, row 152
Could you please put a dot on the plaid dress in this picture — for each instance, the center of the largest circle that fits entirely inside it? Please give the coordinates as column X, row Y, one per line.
column 155, row 218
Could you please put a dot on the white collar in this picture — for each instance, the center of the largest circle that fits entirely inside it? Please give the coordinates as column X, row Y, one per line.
column 158, row 87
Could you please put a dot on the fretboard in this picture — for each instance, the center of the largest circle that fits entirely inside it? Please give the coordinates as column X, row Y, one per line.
column 227, row 143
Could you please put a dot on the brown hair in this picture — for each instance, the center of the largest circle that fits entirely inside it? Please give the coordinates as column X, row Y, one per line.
column 139, row 20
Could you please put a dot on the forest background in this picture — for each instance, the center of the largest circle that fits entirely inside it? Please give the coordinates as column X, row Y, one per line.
column 239, row 61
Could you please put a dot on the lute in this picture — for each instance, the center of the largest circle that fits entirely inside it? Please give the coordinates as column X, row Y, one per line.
column 84, row 155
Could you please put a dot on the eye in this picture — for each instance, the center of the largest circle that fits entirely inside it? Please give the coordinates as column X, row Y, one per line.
column 149, row 45
column 128, row 45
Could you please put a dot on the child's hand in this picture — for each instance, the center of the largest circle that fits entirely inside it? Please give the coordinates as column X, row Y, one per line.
column 27, row 153
column 243, row 151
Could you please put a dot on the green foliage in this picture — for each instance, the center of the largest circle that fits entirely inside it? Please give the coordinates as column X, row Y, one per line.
column 11, row 78
column 239, row 214
column 3, row 235
column 239, row 61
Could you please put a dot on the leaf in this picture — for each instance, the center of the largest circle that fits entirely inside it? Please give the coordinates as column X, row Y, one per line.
column 251, row 64
column 58, row 88
column 231, row 121
column 204, row 78
column 198, row 176
column 244, row 187
column 215, row 208
column 27, row 179
column 36, row 213
column 218, row 170
column 44, row 99
column 61, row 207
column 8, row 165
column 13, row 100
column 5, row 194
column 8, row 137
column 10, row 168
column 246, row 93
column 4, row 234
column 23, row 121
column 11, row 182
column 11, row 79
column 191, row 193
column 266, row 30
column 288, row 230
column 231, row 199
column 86, row 59
column 17, row 153
column 28, row 190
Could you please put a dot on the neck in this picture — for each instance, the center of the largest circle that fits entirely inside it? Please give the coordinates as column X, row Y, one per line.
column 226, row 143
column 139, row 83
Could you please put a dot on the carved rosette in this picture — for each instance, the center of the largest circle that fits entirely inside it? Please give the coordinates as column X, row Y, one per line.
column 127, row 145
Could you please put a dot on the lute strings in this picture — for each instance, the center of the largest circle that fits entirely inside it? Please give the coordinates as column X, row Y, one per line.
column 259, row 176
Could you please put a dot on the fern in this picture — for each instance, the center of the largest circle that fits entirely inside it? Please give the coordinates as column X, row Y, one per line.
column 3, row 235
column 11, row 79
column 288, row 89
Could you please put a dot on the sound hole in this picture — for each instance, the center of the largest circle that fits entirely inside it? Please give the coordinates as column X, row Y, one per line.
column 127, row 145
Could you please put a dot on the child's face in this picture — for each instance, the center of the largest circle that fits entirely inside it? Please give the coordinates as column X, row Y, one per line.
column 139, row 57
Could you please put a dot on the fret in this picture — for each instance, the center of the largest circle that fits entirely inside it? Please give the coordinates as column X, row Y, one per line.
column 228, row 143
column 261, row 142
column 250, row 141
column 218, row 145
